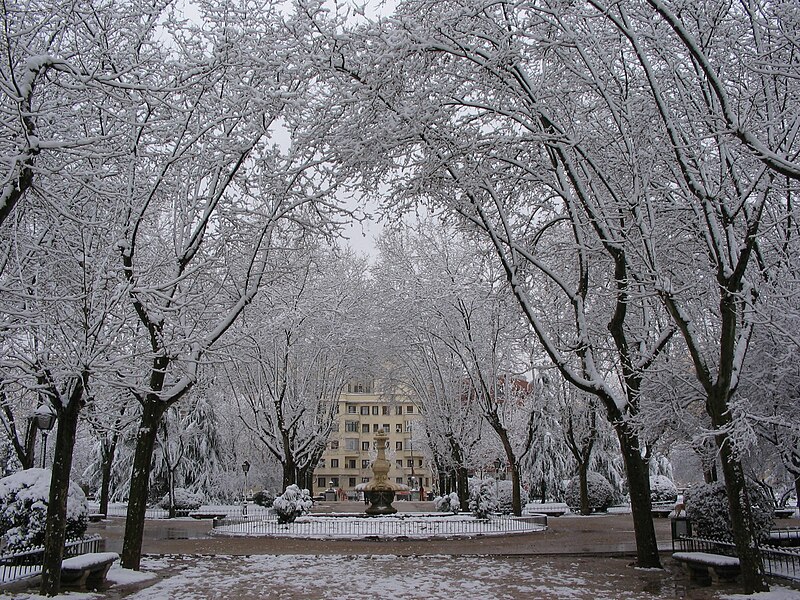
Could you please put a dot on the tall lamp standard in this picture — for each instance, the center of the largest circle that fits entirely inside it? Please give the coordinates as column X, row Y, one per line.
column 45, row 418
column 245, row 470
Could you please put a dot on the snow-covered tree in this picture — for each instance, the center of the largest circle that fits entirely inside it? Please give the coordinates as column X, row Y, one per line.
column 296, row 353
column 462, row 341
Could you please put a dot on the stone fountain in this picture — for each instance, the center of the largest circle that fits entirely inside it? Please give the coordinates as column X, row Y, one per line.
column 380, row 491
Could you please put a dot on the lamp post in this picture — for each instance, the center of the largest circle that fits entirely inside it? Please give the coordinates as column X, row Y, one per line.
column 45, row 418
column 245, row 470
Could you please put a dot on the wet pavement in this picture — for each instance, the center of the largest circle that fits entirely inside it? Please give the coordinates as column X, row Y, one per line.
column 610, row 534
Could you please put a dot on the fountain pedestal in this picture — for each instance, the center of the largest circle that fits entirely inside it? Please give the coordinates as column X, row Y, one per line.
column 380, row 491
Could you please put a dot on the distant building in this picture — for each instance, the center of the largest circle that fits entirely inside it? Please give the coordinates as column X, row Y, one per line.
column 362, row 411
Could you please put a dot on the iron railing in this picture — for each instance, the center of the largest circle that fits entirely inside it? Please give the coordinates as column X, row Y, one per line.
column 28, row 562
column 404, row 526
column 232, row 511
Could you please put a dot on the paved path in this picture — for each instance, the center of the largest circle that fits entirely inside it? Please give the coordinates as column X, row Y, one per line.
column 595, row 535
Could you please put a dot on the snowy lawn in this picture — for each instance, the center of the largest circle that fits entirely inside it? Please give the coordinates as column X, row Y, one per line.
column 293, row 577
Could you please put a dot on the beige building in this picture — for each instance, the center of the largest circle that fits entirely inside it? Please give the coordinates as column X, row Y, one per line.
column 362, row 411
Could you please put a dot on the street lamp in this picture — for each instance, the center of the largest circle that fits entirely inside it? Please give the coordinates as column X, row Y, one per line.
column 45, row 418
column 245, row 470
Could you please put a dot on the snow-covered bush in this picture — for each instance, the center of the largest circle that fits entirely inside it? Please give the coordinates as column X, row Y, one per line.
column 292, row 503
column 447, row 503
column 662, row 489
column 707, row 509
column 23, row 508
column 601, row 492
column 184, row 500
column 264, row 498
column 482, row 498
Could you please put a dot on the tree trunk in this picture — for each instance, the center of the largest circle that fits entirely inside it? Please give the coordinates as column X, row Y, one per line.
column 516, row 496
column 55, row 531
column 108, row 452
column 152, row 412
column 638, row 473
column 462, row 485
column 289, row 473
column 29, row 456
column 745, row 535
column 583, row 471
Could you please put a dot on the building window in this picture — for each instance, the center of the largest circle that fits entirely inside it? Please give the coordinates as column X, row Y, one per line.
column 351, row 463
column 409, row 425
column 384, row 410
column 335, row 427
column 334, row 444
column 375, row 428
column 365, row 446
column 410, row 463
column 365, row 480
column 365, row 410
column 419, row 462
column 365, row 428
column 351, row 444
column 398, row 463
column 386, row 427
column 334, row 482
column 351, row 426
column 398, row 410
column 365, row 463
column 398, row 480
column 352, row 409
column 334, row 463
column 410, row 409
column 321, row 483
column 375, row 410
column 398, row 428
column 352, row 482
column 398, row 445
column 321, row 464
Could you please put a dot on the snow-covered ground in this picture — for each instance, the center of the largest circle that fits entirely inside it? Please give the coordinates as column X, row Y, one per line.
column 293, row 577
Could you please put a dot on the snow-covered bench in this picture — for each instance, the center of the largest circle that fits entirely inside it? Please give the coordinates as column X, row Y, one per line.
column 208, row 514
column 662, row 509
column 703, row 566
column 87, row 570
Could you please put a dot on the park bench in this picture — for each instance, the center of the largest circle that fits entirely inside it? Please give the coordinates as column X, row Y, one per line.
column 662, row 509
column 87, row 570
column 703, row 566
column 784, row 512
column 208, row 514
column 96, row 517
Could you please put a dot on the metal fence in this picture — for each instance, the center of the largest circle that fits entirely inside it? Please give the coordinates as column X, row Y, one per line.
column 232, row 511
column 778, row 562
column 28, row 562
column 400, row 527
